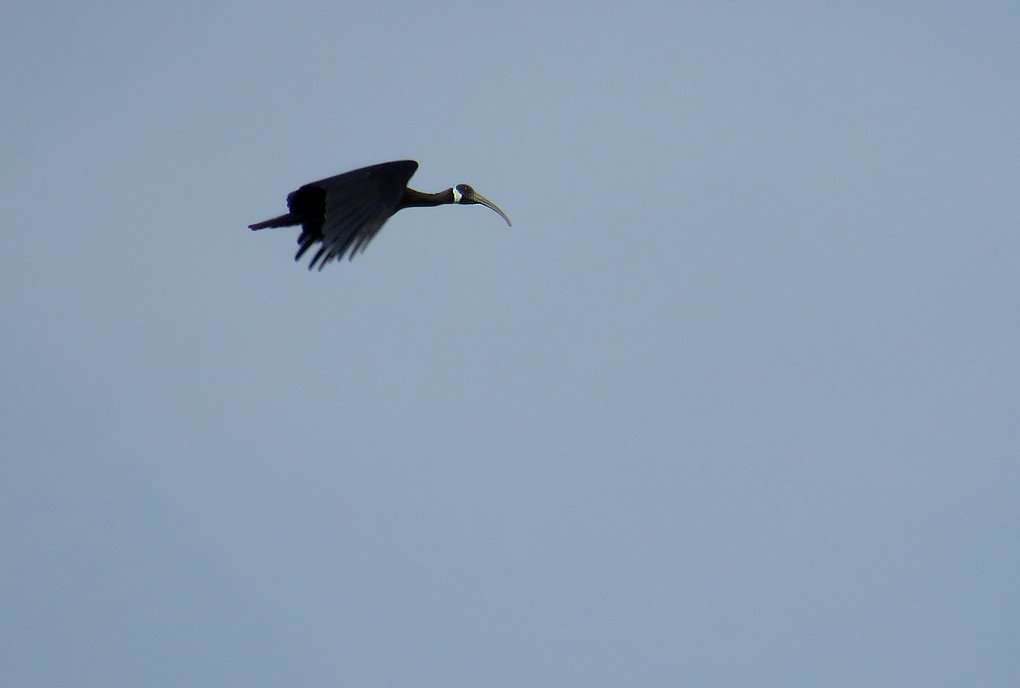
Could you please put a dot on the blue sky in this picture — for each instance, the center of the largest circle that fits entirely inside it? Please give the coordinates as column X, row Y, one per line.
column 734, row 402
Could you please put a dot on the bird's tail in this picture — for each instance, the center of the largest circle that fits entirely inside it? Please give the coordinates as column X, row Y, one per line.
column 288, row 220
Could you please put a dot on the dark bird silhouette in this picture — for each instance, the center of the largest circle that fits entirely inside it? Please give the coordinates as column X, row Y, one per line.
column 344, row 212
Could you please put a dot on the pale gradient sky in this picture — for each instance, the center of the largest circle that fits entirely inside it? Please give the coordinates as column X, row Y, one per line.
column 734, row 403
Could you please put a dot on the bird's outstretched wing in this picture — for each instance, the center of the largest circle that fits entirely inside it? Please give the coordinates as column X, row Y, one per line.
column 344, row 212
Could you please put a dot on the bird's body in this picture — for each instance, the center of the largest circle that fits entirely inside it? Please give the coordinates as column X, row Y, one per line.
column 344, row 212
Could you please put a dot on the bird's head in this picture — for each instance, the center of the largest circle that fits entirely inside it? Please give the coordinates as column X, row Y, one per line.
column 465, row 195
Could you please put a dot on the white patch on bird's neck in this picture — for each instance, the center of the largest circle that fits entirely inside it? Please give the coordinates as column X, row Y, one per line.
column 457, row 195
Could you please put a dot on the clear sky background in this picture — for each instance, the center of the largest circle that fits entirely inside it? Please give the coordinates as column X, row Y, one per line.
column 735, row 402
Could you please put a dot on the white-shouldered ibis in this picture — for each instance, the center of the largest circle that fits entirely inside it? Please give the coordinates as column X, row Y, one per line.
column 344, row 212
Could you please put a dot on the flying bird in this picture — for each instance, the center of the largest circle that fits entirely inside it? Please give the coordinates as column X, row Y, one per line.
column 344, row 212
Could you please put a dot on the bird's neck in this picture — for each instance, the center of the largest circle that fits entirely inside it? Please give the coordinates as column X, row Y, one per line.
column 419, row 199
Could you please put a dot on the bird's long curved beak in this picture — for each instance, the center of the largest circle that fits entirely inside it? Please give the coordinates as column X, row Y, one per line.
column 475, row 197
